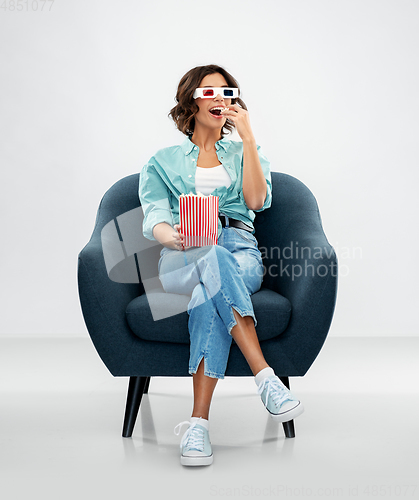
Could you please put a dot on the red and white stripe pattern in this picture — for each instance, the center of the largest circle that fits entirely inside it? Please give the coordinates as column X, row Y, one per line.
column 198, row 219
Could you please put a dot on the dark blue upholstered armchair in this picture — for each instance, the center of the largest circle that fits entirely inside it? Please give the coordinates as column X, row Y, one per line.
column 139, row 331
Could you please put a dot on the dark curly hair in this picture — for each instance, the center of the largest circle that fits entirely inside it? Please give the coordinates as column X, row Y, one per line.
column 183, row 114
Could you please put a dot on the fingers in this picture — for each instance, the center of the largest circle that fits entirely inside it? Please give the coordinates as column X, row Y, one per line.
column 179, row 238
column 227, row 110
column 179, row 245
column 231, row 112
column 231, row 108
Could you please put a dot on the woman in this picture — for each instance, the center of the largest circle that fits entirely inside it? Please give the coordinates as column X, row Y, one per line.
column 220, row 278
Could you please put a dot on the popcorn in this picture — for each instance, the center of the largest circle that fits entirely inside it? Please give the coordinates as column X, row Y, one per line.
column 199, row 219
column 218, row 110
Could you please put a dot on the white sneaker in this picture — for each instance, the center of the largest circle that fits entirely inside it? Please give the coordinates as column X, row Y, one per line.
column 195, row 445
column 278, row 400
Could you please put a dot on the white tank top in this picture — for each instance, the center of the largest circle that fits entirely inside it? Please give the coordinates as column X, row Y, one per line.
column 207, row 179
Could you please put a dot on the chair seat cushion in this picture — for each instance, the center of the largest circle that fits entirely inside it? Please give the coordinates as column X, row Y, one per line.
column 272, row 312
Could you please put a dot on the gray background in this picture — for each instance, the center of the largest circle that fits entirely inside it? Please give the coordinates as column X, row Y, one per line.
column 331, row 88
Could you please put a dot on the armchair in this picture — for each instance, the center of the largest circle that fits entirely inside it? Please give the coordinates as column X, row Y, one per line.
column 139, row 331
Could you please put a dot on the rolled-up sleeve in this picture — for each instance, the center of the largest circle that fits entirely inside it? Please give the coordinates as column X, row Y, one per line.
column 266, row 168
column 154, row 198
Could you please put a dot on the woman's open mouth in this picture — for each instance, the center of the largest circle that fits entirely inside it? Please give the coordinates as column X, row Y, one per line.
column 216, row 112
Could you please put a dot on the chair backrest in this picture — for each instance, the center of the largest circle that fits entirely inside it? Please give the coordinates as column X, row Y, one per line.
column 278, row 227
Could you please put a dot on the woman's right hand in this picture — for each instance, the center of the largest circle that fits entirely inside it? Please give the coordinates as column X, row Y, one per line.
column 164, row 234
column 179, row 238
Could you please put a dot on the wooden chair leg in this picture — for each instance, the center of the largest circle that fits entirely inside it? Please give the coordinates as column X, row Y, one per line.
column 147, row 384
column 288, row 426
column 135, row 393
column 289, row 429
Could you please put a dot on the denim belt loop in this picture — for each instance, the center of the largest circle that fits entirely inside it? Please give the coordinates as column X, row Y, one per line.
column 226, row 218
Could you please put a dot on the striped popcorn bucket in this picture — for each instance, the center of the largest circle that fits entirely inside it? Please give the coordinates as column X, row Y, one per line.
column 199, row 219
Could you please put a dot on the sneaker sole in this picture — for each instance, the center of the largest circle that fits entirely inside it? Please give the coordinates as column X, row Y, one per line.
column 288, row 415
column 192, row 461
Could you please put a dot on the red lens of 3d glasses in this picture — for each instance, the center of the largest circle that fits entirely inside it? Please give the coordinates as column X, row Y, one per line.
column 210, row 93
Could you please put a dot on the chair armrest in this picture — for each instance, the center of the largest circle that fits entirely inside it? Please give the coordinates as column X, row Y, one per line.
column 308, row 279
column 301, row 265
column 103, row 304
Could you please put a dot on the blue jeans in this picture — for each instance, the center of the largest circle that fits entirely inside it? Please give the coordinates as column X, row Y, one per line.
column 218, row 278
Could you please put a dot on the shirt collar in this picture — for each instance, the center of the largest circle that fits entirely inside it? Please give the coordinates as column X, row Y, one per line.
column 187, row 145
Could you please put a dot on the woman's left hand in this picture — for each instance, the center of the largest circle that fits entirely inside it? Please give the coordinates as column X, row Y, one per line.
column 241, row 119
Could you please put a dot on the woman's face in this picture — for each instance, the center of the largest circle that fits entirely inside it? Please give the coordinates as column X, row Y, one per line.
column 204, row 117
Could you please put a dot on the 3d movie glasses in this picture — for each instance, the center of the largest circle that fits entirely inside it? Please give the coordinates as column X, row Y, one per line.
column 211, row 92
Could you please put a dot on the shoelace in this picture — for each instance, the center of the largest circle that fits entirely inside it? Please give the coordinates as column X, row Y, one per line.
column 193, row 437
column 280, row 393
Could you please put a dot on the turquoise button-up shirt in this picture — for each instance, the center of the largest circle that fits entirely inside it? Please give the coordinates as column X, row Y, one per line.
column 171, row 172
